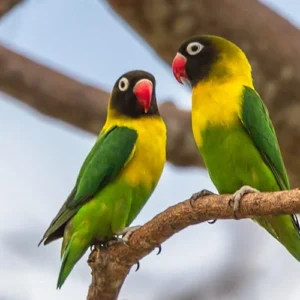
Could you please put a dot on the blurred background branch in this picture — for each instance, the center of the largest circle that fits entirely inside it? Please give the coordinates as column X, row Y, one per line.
column 82, row 105
column 274, row 66
column 7, row 5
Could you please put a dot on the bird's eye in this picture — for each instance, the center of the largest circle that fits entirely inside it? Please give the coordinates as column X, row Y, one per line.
column 194, row 48
column 123, row 84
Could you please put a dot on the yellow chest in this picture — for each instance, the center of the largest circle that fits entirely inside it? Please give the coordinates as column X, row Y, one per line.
column 215, row 105
column 149, row 155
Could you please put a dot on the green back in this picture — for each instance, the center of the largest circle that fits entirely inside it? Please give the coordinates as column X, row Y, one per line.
column 109, row 155
column 256, row 120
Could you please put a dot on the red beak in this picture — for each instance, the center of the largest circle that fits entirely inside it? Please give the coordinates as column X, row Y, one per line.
column 178, row 67
column 143, row 90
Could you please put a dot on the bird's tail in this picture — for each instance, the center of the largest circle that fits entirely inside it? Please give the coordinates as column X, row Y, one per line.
column 72, row 251
column 286, row 230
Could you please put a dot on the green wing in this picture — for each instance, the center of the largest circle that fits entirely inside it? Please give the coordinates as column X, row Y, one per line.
column 256, row 121
column 110, row 154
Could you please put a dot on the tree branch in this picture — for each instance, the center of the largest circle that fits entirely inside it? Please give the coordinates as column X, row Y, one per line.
column 111, row 266
column 7, row 5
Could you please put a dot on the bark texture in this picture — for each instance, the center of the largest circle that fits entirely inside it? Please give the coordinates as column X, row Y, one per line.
column 271, row 43
column 111, row 266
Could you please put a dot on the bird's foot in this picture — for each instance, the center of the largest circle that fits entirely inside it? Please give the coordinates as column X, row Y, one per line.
column 238, row 195
column 126, row 234
column 95, row 248
column 112, row 241
column 198, row 195
column 95, row 245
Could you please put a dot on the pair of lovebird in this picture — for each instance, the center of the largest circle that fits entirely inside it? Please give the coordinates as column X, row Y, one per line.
column 232, row 130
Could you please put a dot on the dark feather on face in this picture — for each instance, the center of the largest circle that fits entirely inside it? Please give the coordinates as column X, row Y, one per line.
column 125, row 101
column 198, row 66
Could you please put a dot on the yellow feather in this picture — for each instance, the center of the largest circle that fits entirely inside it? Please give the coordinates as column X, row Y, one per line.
column 149, row 155
column 217, row 100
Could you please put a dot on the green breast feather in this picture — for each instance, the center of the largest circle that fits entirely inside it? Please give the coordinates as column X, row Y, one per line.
column 108, row 156
column 256, row 121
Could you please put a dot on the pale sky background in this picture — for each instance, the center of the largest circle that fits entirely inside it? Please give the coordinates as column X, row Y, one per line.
column 40, row 160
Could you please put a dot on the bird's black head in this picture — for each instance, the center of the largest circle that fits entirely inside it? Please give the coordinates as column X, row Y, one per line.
column 206, row 57
column 133, row 95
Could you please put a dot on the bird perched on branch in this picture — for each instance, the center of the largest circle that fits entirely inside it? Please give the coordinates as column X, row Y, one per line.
column 232, row 128
column 119, row 174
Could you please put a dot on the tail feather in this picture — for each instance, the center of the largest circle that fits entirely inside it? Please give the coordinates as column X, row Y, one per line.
column 74, row 250
column 286, row 229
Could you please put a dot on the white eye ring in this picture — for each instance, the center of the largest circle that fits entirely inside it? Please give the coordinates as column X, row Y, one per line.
column 194, row 48
column 123, row 84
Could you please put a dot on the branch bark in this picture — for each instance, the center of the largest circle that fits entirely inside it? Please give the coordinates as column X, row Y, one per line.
column 111, row 266
column 164, row 24
column 7, row 5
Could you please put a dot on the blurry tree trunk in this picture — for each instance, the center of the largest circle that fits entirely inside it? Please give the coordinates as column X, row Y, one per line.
column 271, row 43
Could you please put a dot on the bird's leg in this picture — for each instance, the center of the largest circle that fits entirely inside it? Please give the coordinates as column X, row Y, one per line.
column 199, row 195
column 127, row 232
column 238, row 195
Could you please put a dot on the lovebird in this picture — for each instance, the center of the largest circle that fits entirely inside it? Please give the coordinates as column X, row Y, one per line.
column 118, row 175
column 232, row 128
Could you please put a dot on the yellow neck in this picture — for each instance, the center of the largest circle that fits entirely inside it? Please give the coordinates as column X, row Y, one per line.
column 116, row 119
column 149, row 156
column 217, row 103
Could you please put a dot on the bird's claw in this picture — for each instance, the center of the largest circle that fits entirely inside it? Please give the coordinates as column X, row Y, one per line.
column 238, row 195
column 212, row 221
column 113, row 241
column 159, row 250
column 94, row 248
column 198, row 195
column 137, row 266
column 126, row 234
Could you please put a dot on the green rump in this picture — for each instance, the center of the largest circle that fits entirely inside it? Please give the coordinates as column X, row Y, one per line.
column 102, row 203
column 248, row 154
